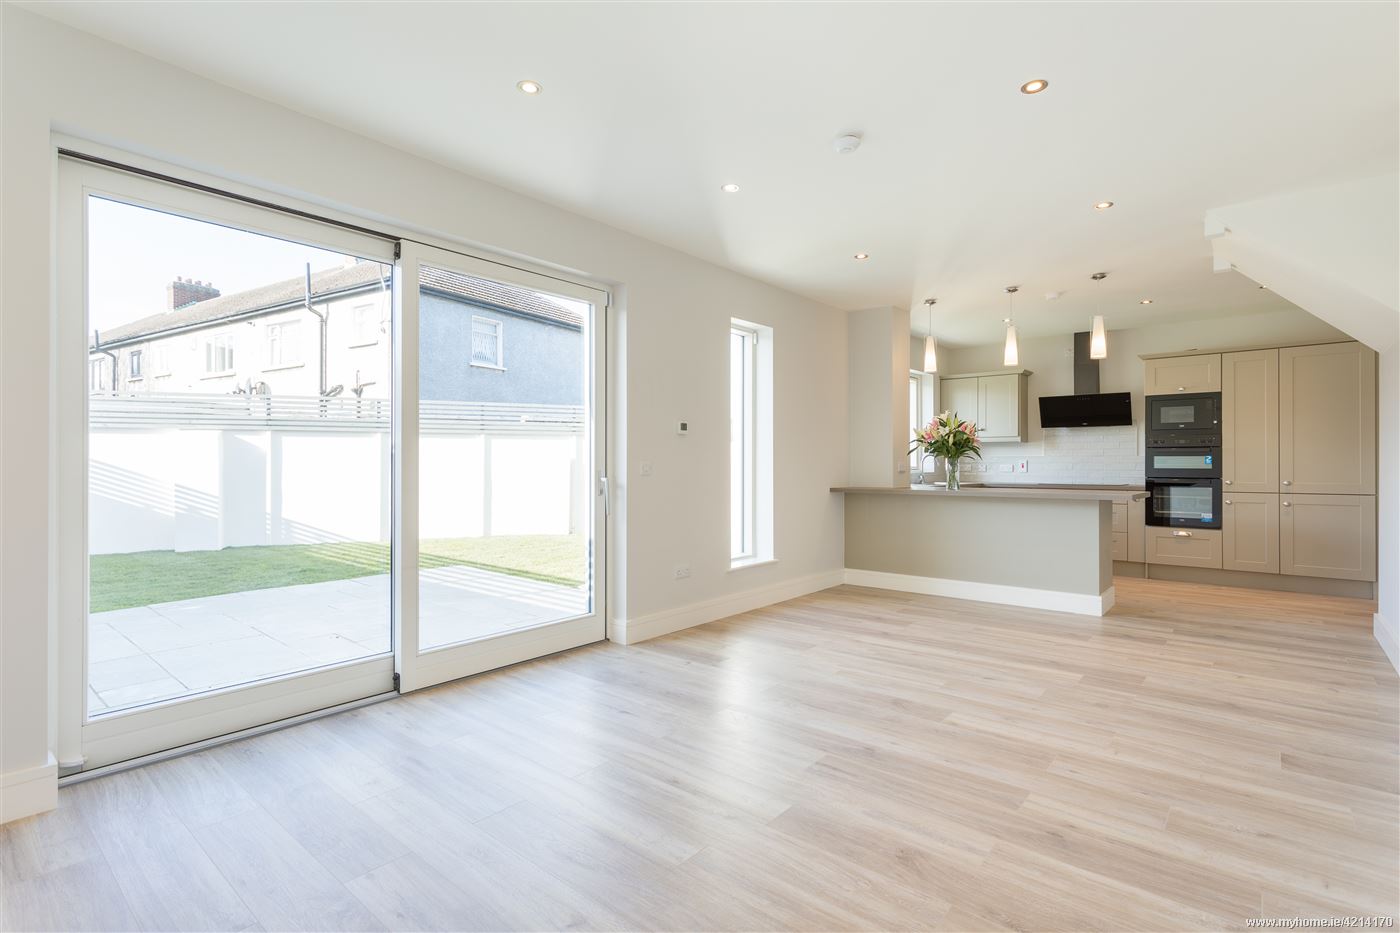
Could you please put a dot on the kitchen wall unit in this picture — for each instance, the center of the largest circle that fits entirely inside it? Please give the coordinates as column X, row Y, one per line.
column 1172, row 374
column 1327, row 419
column 1249, row 421
column 997, row 402
column 1250, row 532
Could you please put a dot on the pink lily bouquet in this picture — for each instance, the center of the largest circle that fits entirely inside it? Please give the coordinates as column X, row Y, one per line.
column 951, row 438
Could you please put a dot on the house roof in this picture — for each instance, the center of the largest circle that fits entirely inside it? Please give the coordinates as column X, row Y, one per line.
column 330, row 282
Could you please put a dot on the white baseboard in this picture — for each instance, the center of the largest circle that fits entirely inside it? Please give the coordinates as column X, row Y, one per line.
column 1386, row 634
column 29, row 791
column 631, row 631
column 1054, row 600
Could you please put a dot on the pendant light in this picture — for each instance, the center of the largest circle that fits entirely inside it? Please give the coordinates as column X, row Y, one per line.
column 1011, row 356
column 1098, row 337
column 930, row 345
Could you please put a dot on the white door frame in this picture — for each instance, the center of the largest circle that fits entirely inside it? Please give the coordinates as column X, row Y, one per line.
column 417, row 668
column 113, row 737
column 117, row 737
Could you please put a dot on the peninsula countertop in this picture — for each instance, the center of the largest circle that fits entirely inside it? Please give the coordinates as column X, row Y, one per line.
column 1023, row 491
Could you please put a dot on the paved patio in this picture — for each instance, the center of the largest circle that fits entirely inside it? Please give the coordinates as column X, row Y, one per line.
column 151, row 653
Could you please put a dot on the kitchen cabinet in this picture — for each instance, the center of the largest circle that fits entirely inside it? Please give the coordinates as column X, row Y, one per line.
column 1184, row 547
column 1169, row 375
column 995, row 401
column 1249, row 422
column 1137, row 523
column 1327, row 536
column 1327, row 419
column 960, row 396
column 1250, row 532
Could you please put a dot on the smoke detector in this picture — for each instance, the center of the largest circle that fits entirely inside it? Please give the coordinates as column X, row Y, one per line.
column 847, row 143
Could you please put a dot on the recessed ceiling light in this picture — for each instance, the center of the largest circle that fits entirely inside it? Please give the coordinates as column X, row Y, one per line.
column 1103, row 205
column 1034, row 87
column 729, row 188
column 530, row 87
column 1263, row 286
column 862, row 256
column 1145, row 301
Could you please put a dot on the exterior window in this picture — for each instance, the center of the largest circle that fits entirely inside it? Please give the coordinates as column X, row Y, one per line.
column 486, row 343
column 283, row 344
column 916, row 421
column 218, row 355
column 366, row 325
column 97, row 374
column 134, row 365
column 750, row 443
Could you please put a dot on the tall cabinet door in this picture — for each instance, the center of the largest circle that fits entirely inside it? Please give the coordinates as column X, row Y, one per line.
column 1328, row 536
column 1327, row 419
column 1250, row 527
column 1249, row 419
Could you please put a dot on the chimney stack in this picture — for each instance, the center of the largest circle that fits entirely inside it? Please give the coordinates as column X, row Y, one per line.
column 184, row 292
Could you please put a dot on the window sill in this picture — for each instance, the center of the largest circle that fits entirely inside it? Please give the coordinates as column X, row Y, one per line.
column 222, row 375
column 276, row 369
column 499, row 369
column 365, row 343
column 748, row 562
column 134, row 378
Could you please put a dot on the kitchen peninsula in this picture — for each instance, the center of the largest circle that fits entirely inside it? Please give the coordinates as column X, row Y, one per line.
column 1042, row 547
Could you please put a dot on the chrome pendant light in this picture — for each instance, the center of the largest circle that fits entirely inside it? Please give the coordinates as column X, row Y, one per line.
column 1098, row 337
column 1011, row 355
column 930, row 345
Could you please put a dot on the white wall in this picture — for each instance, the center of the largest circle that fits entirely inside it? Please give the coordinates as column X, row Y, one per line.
column 1110, row 455
column 878, row 347
column 1387, row 619
column 59, row 79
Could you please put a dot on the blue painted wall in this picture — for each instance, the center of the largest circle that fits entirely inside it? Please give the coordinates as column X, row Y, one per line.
column 543, row 361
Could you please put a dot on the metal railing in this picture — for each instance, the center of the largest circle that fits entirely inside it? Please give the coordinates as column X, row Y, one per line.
column 309, row 413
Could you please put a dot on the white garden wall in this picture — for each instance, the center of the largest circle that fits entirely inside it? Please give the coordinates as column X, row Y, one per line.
column 199, row 489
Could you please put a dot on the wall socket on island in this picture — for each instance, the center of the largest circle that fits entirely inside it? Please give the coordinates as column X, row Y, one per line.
column 682, row 571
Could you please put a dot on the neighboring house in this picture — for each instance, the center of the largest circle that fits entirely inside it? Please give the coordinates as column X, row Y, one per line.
column 481, row 341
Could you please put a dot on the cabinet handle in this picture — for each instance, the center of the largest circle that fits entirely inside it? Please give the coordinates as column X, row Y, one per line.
column 1229, row 501
column 1181, row 388
column 1287, row 504
column 1229, row 482
column 1181, row 534
column 1288, row 482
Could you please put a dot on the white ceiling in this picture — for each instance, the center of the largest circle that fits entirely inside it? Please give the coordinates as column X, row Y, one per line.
column 963, row 184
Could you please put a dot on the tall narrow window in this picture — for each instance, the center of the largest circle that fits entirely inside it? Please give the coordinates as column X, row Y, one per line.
column 218, row 355
column 134, row 366
column 916, row 421
column 750, row 443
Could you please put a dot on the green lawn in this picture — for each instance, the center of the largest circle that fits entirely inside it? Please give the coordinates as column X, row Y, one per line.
column 121, row 581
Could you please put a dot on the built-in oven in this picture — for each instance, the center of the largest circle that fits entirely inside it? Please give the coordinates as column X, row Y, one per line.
column 1183, row 462
column 1184, row 420
column 1183, row 503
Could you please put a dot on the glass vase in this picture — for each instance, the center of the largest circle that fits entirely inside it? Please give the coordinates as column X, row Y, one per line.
column 954, row 471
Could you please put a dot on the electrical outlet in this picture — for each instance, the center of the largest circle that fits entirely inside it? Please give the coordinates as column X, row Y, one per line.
column 1004, row 468
column 682, row 571
column 645, row 468
column 1021, row 466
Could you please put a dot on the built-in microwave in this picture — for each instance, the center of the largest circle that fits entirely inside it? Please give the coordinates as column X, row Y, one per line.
column 1183, row 503
column 1183, row 420
column 1183, row 462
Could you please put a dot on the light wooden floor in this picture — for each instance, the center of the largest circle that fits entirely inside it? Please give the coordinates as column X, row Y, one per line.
column 851, row 760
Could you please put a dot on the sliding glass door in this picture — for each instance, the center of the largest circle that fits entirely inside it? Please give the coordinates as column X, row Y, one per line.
column 507, row 500
column 302, row 465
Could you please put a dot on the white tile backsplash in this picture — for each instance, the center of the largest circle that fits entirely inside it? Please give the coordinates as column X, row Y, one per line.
column 1097, row 456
